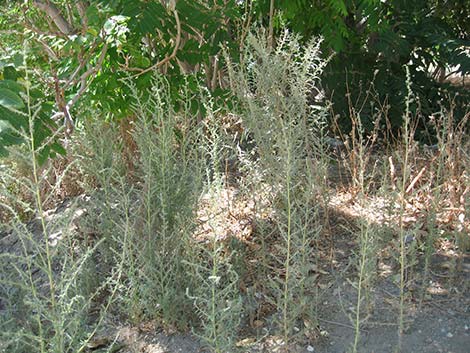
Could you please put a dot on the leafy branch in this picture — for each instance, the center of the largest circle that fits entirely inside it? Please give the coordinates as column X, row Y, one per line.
column 54, row 13
column 167, row 58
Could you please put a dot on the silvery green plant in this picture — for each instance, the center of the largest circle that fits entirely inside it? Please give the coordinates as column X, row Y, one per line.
column 169, row 182
column 216, row 295
column 365, row 255
column 286, row 134
column 45, row 290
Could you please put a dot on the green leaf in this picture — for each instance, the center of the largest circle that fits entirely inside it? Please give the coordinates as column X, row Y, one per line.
column 92, row 31
column 10, row 73
column 7, row 137
column 16, row 120
column 11, row 85
column 5, row 126
column 10, row 99
column 43, row 155
column 57, row 147
column 41, row 132
column 18, row 60
column 93, row 19
column 3, row 152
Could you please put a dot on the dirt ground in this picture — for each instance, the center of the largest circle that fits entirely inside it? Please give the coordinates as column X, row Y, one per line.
column 440, row 324
column 437, row 316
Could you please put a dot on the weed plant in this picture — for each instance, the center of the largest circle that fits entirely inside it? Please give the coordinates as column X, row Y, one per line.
column 285, row 132
column 452, row 177
column 104, row 180
column 216, row 298
column 438, row 186
column 45, row 292
column 169, row 277
column 216, row 295
column 404, row 257
column 367, row 237
column 425, row 188
column 157, row 224
column 171, row 185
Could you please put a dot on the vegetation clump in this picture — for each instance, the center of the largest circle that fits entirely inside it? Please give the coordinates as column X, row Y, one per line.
column 176, row 167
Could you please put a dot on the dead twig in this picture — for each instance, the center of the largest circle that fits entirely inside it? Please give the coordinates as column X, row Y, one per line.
column 338, row 324
column 415, row 180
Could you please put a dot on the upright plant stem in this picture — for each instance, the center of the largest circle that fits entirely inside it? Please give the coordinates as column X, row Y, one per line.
column 37, row 196
column 357, row 322
column 403, row 257
column 287, row 267
column 364, row 237
column 288, row 245
column 213, row 293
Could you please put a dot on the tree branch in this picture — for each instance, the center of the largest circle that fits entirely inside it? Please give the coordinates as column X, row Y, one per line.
column 83, row 78
column 54, row 13
column 167, row 58
column 81, row 8
column 65, row 108
column 271, row 25
column 82, row 62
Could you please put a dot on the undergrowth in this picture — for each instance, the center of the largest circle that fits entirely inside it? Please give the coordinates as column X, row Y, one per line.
column 46, row 298
column 187, row 225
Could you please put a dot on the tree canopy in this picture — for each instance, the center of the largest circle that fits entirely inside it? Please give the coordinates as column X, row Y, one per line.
column 79, row 52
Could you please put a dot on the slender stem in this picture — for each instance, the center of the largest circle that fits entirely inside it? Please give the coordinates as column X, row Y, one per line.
column 213, row 303
column 403, row 257
column 38, row 199
column 357, row 323
column 288, row 245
